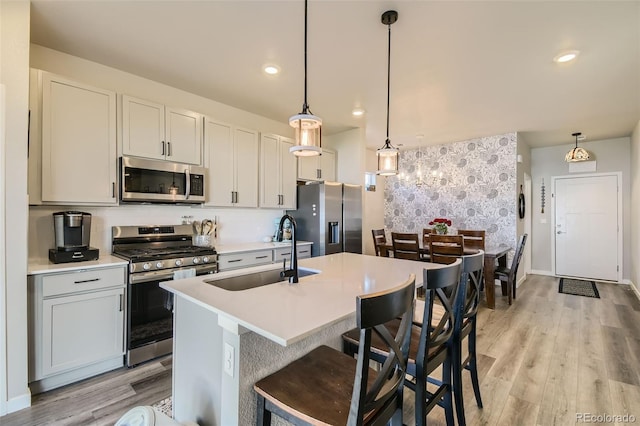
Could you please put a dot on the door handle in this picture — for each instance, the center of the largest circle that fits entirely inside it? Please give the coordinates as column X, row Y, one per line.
column 560, row 232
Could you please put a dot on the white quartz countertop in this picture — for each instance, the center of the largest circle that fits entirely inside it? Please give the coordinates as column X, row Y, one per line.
column 286, row 313
column 44, row 266
column 240, row 247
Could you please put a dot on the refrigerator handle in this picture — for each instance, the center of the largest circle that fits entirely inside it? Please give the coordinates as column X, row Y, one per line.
column 334, row 232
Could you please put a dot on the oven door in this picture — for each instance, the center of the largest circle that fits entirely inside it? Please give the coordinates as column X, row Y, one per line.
column 150, row 315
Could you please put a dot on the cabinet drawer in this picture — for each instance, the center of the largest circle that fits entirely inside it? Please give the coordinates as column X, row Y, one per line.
column 242, row 260
column 85, row 280
column 285, row 253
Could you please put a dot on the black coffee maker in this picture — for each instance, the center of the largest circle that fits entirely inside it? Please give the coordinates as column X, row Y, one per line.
column 72, row 230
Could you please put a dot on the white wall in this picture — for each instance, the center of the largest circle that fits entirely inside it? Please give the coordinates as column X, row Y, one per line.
column 351, row 161
column 373, row 211
column 634, row 232
column 14, row 74
column 612, row 155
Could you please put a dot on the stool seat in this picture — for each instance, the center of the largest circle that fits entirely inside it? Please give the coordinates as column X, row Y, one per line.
column 319, row 385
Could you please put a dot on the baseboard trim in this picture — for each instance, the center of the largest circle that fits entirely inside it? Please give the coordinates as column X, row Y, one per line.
column 634, row 288
column 541, row 272
column 19, row 402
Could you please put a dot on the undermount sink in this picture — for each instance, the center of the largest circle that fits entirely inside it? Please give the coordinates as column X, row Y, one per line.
column 257, row 279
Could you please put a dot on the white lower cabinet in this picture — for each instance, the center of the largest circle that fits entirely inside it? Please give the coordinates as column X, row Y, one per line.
column 285, row 253
column 230, row 261
column 76, row 325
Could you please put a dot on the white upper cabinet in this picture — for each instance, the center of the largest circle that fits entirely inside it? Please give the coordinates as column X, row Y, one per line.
column 78, row 142
column 231, row 156
column 153, row 130
column 277, row 173
column 318, row 168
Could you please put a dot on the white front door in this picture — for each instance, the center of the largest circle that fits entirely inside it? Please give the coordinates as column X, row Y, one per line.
column 586, row 227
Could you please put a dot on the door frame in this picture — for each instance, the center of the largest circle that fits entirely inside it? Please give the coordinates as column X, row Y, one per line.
column 527, row 222
column 620, row 221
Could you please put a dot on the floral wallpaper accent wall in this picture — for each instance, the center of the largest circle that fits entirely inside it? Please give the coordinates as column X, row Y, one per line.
column 472, row 183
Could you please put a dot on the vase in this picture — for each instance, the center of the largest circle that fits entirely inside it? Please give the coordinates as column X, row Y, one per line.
column 441, row 231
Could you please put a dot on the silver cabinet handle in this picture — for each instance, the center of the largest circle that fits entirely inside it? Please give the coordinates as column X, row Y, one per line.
column 169, row 149
column 113, row 190
column 261, row 257
column 318, row 173
column 235, row 260
column 163, row 150
column 120, row 303
column 188, row 185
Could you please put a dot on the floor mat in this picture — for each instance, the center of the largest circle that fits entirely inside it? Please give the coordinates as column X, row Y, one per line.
column 578, row 287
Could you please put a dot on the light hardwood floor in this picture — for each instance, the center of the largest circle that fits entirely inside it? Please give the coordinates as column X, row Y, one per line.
column 541, row 361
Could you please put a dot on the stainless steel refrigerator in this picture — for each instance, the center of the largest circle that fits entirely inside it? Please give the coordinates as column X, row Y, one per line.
column 329, row 214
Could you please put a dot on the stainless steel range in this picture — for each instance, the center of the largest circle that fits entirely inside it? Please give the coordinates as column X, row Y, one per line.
column 156, row 254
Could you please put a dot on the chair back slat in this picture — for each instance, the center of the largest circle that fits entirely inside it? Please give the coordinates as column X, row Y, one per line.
column 426, row 233
column 473, row 238
column 445, row 248
column 384, row 395
column 379, row 239
column 513, row 271
column 473, row 267
column 405, row 246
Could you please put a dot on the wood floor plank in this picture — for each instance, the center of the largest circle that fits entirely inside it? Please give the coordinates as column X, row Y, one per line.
column 529, row 382
column 626, row 401
column 594, row 395
column 494, row 393
column 518, row 412
column 629, row 320
column 617, row 356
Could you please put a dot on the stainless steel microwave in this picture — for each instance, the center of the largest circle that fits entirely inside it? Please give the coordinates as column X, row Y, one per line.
column 154, row 181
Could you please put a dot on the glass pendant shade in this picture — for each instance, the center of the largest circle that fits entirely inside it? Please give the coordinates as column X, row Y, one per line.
column 308, row 133
column 577, row 153
column 387, row 160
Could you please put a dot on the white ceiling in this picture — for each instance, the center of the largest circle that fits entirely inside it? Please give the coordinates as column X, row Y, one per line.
column 459, row 70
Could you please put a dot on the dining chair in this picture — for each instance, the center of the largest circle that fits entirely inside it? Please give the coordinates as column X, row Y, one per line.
column 445, row 248
column 473, row 238
column 426, row 233
column 431, row 346
column 508, row 275
column 406, row 246
column 380, row 239
column 329, row 387
column 466, row 311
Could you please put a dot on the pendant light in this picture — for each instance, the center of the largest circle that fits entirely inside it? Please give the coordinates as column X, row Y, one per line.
column 308, row 127
column 388, row 154
column 577, row 153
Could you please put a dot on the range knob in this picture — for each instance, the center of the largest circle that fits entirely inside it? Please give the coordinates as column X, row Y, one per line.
column 178, row 262
column 159, row 265
column 196, row 260
column 146, row 266
column 205, row 259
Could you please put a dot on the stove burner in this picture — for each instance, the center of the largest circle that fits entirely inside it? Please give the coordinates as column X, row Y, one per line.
column 161, row 252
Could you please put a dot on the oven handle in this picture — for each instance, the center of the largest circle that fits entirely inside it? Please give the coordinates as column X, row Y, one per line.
column 168, row 274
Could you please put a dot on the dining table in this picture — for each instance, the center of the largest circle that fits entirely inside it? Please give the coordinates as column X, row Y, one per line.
column 493, row 256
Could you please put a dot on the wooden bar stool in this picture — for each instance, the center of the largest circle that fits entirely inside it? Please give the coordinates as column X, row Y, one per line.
column 431, row 346
column 329, row 387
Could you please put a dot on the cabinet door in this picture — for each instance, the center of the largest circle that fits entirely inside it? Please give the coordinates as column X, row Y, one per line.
column 143, row 128
column 270, row 188
column 218, row 147
column 328, row 166
column 183, row 136
column 81, row 329
column 246, row 167
column 309, row 168
column 288, row 174
column 78, row 142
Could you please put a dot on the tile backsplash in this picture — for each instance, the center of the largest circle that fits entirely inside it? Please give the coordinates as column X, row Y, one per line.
column 472, row 183
column 234, row 225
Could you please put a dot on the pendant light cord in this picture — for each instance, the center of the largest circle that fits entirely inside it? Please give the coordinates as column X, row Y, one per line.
column 388, row 80
column 305, row 106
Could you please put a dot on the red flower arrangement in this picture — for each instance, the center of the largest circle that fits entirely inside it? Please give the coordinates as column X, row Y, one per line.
column 441, row 225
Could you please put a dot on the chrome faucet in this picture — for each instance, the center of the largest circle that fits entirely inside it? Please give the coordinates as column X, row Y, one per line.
column 292, row 273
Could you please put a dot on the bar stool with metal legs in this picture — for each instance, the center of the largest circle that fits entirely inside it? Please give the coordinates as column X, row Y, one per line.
column 328, row 387
column 431, row 346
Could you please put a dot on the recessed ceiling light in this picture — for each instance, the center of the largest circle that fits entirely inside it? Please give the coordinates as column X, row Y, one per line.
column 566, row 56
column 271, row 69
column 357, row 112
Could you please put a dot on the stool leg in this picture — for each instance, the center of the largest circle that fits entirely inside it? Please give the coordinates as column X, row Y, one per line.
column 457, row 381
column 473, row 364
column 447, row 399
column 263, row 417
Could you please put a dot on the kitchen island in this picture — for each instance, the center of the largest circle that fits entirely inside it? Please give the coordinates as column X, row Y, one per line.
column 225, row 341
